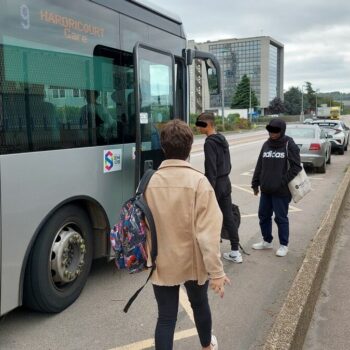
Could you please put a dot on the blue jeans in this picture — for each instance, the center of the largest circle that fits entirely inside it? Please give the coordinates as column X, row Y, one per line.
column 168, row 303
column 270, row 204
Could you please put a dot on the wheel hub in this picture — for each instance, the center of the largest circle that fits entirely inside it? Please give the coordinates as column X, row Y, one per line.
column 67, row 255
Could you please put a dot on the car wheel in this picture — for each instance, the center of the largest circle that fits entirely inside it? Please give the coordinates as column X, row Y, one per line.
column 346, row 146
column 341, row 150
column 60, row 261
column 329, row 157
column 322, row 168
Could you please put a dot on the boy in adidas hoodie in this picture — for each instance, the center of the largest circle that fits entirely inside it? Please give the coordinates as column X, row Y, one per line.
column 217, row 170
column 272, row 174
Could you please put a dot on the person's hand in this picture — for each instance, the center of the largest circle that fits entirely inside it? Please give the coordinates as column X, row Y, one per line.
column 218, row 285
column 256, row 191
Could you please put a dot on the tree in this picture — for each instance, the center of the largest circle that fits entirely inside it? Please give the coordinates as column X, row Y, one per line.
column 310, row 98
column 292, row 101
column 241, row 97
column 276, row 106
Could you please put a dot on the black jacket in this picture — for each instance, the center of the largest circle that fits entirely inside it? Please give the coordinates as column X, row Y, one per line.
column 217, row 162
column 271, row 172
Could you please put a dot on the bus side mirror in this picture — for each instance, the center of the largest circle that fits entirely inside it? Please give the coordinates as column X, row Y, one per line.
column 212, row 67
column 213, row 81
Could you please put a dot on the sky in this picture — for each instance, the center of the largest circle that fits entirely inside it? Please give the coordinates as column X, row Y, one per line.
column 315, row 34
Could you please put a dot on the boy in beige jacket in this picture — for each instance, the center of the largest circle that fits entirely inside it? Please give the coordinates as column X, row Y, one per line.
column 188, row 222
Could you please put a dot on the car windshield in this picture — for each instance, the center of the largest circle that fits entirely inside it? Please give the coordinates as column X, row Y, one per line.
column 301, row 133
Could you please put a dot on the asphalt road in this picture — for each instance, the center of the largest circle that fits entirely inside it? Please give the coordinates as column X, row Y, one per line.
column 241, row 320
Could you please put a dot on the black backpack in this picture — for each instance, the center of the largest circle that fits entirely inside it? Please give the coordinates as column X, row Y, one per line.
column 237, row 220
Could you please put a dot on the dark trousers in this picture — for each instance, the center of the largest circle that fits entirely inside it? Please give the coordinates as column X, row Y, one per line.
column 168, row 303
column 223, row 196
column 270, row 204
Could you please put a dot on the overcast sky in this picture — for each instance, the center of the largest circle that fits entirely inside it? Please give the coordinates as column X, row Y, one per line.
column 315, row 34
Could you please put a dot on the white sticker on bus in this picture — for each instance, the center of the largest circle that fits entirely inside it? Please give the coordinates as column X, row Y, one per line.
column 112, row 160
column 144, row 118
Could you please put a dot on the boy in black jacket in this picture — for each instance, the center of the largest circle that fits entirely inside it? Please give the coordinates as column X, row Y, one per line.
column 217, row 169
column 272, row 174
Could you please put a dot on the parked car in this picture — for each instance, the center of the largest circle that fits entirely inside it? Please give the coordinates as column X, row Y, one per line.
column 338, row 133
column 315, row 147
column 308, row 121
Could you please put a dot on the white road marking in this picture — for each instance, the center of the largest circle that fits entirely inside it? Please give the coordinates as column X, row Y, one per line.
column 145, row 344
column 201, row 153
column 186, row 304
column 248, row 173
column 250, row 191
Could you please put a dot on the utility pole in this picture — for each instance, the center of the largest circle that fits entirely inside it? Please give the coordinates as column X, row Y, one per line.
column 223, row 100
column 302, row 104
column 250, row 102
column 317, row 90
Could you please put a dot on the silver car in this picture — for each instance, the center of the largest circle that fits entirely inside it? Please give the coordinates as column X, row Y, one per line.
column 315, row 148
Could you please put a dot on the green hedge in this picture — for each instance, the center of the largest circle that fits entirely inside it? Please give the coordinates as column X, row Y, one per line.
column 232, row 123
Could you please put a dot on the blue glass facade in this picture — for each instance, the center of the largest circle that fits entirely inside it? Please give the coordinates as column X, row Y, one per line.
column 273, row 72
column 236, row 59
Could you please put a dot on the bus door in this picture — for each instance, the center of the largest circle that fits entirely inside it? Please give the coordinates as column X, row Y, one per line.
column 155, row 103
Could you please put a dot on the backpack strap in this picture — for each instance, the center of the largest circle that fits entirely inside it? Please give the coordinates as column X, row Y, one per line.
column 141, row 203
column 141, row 188
column 132, row 299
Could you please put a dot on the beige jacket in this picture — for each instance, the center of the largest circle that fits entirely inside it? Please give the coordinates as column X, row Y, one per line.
column 188, row 222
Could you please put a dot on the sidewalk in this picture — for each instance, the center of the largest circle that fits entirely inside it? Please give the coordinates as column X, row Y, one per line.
column 321, row 281
column 331, row 320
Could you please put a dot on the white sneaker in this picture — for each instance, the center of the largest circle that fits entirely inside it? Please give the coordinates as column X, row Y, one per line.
column 262, row 245
column 214, row 343
column 234, row 256
column 282, row 250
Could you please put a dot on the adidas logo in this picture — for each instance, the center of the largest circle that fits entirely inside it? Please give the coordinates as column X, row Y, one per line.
column 274, row 154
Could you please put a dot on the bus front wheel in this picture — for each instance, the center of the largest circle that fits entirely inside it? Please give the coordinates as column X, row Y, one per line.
column 60, row 261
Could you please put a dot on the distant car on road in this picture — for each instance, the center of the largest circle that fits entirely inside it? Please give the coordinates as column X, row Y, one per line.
column 315, row 148
column 338, row 133
column 308, row 121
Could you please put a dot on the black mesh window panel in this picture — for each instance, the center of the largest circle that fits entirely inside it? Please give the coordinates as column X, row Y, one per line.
column 55, row 100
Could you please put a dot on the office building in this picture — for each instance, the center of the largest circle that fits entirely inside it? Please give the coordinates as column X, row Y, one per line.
column 260, row 58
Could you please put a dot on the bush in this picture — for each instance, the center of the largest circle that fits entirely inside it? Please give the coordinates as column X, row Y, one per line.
column 231, row 123
column 233, row 118
column 243, row 124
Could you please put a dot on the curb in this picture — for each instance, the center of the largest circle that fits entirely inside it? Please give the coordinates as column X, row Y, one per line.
column 291, row 325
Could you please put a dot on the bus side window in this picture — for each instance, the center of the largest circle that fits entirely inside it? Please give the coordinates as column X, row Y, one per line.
column 96, row 114
column 119, row 91
column 13, row 124
column 45, row 125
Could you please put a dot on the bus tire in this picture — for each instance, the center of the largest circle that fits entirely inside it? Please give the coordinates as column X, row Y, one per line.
column 60, row 261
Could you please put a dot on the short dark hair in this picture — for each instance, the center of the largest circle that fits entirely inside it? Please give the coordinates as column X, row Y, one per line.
column 208, row 117
column 176, row 139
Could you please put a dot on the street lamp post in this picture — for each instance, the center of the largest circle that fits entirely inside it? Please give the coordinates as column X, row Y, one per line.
column 302, row 104
column 317, row 90
column 250, row 101
column 223, row 100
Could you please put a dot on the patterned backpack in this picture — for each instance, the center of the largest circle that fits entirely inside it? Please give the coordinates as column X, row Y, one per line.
column 128, row 236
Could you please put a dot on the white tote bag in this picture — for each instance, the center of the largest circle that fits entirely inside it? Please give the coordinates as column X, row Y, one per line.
column 300, row 186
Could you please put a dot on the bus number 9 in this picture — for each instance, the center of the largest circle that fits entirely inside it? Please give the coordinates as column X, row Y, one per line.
column 24, row 10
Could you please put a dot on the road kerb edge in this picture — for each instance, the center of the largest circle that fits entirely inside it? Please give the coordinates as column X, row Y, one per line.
column 292, row 323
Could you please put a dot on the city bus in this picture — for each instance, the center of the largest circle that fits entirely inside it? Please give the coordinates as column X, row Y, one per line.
column 85, row 87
